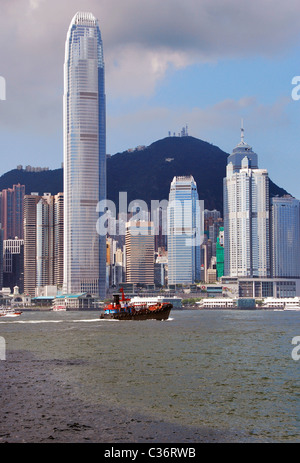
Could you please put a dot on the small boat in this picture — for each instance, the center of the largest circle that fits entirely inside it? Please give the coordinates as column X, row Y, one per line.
column 5, row 312
column 59, row 308
column 123, row 310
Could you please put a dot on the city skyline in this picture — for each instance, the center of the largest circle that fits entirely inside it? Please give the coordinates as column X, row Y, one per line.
column 82, row 258
column 84, row 122
column 167, row 67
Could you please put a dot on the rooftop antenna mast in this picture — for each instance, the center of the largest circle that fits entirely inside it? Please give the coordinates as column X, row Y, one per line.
column 242, row 130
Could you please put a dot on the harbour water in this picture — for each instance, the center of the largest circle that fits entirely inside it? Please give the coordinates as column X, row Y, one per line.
column 210, row 375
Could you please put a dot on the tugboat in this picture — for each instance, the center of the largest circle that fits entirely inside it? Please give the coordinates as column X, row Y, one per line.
column 123, row 310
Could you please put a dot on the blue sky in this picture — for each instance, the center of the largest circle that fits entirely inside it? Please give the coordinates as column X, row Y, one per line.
column 203, row 63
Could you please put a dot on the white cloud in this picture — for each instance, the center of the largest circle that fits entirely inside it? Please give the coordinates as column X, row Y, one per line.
column 34, row 4
column 224, row 116
column 135, row 71
column 142, row 40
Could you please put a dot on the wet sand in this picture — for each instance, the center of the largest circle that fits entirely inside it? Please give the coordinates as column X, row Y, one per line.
column 38, row 407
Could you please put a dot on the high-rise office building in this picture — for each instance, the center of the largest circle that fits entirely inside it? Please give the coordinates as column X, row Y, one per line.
column 12, row 211
column 246, row 215
column 139, row 245
column 43, row 241
column 84, row 157
column 185, row 229
column 285, row 237
column 220, row 253
column 59, row 239
column 13, row 264
column 30, row 202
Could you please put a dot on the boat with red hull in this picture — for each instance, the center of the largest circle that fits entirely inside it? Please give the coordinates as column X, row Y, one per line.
column 9, row 312
column 123, row 310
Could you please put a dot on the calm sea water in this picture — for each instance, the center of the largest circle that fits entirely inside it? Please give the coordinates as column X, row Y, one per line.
column 221, row 369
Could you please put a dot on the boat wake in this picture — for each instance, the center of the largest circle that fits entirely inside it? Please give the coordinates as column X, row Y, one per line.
column 52, row 321
column 33, row 321
column 43, row 321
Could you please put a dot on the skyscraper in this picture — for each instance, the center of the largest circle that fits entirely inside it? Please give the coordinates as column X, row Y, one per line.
column 43, row 241
column 12, row 211
column 220, row 253
column 285, row 221
column 13, row 264
column 84, row 157
column 246, row 215
column 139, row 252
column 59, row 239
column 184, row 231
column 30, row 202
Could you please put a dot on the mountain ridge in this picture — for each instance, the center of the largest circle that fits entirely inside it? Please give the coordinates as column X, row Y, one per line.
column 146, row 173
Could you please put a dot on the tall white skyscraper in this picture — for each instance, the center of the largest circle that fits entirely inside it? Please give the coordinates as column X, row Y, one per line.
column 285, row 220
column 246, row 215
column 185, row 228
column 84, row 157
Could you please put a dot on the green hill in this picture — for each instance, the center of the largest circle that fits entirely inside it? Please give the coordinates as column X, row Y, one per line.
column 48, row 181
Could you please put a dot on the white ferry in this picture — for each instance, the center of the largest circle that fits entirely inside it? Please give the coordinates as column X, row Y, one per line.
column 282, row 303
column 59, row 308
column 292, row 307
column 216, row 303
column 9, row 312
